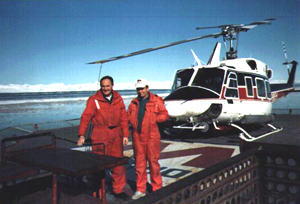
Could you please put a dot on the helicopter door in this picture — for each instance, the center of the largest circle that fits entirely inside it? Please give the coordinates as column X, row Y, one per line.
column 232, row 89
column 268, row 89
column 233, row 107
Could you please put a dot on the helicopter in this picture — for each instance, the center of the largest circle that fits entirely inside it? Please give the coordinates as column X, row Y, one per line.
column 232, row 92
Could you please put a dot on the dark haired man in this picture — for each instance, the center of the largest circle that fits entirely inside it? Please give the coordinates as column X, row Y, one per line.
column 106, row 111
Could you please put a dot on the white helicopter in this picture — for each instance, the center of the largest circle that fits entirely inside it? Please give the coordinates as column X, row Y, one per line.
column 230, row 92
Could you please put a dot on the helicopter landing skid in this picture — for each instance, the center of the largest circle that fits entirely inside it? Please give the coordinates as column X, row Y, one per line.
column 197, row 126
column 244, row 135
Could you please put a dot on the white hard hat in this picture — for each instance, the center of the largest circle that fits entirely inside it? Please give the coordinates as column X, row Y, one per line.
column 141, row 83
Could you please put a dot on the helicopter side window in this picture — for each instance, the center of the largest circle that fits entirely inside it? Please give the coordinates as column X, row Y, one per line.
column 261, row 89
column 182, row 78
column 249, row 86
column 268, row 89
column 232, row 90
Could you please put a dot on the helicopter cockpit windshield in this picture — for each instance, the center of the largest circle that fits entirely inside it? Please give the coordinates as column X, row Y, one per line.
column 210, row 78
column 182, row 78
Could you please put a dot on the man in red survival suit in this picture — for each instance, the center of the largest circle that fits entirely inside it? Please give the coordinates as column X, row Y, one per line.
column 108, row 114
column 144, row 113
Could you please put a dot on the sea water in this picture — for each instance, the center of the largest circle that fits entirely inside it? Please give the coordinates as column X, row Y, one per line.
column 55, row 109
column 49, row 109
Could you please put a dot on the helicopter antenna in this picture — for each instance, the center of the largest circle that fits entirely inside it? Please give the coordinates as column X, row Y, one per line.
column 197, row 60
column 215, row 56
column 285, row 56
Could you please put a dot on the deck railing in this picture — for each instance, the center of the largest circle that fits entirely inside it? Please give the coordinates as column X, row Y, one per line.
column 254, row 177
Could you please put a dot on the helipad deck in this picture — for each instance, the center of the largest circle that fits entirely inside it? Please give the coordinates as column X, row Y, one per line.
column 191, row 162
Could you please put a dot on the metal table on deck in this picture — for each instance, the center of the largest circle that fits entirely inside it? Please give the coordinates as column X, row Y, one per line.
column 68, row 162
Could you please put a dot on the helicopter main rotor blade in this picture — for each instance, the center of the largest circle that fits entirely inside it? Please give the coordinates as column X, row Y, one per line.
column 257, row 23
column 241, row 27
column 220, row 26
column 226, row 29
column 266, row 21
column 215, row 35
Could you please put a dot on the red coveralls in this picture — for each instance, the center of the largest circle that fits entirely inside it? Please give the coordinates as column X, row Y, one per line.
column 110, row 126
column 147, row 143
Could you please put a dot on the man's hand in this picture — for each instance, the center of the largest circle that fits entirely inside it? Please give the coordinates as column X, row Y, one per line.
column 81, row 140
column 125, row 140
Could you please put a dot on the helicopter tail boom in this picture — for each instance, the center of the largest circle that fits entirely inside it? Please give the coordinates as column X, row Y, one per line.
column 280, row 90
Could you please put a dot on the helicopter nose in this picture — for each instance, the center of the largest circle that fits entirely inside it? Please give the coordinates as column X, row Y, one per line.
column 175, row 109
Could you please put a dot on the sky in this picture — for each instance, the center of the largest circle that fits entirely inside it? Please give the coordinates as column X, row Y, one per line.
column 46, row 45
